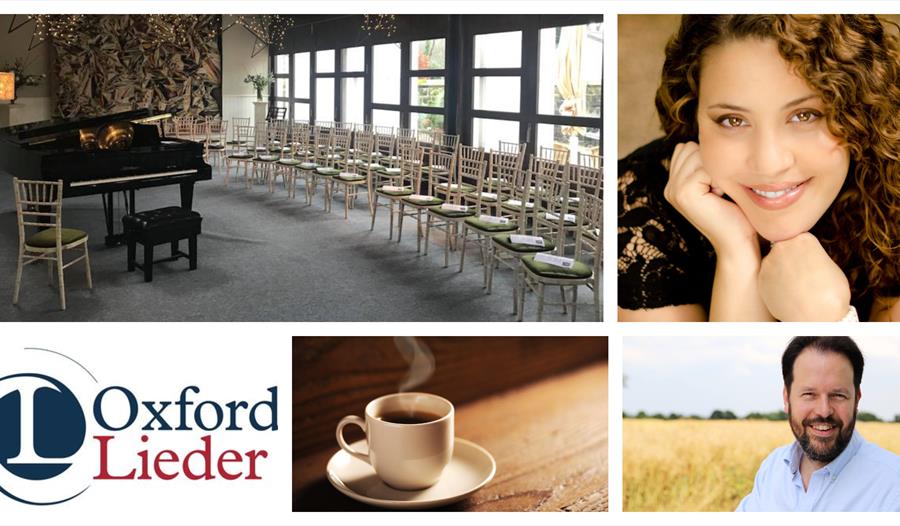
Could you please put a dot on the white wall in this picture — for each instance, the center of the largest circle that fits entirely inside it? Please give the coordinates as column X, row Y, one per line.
column 237, row 63
column 33, row 103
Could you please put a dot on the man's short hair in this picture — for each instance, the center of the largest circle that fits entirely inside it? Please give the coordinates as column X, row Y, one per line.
column 837, row 344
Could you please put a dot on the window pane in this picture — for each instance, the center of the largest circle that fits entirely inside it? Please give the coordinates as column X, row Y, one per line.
column 427, row 54
column 496, row 93
column 386, row 118
column 386, row 74
column 301, row 75
column 324, row 100
column 353, row 59
column 352, row 97
column 426, row 91
column 574, row 139
column 499, row 50
column 325, row 61
column 426, row 121
column 282, row 64
column 282, row 87
column 487, row 133
column 301, row 111
column 571, row 66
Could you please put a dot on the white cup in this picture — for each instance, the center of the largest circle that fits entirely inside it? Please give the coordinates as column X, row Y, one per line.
column 405, row 456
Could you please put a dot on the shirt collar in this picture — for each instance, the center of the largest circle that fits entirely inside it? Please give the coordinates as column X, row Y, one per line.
column 795, row 453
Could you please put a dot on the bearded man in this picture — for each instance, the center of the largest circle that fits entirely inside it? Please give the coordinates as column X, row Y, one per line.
column 830, row 467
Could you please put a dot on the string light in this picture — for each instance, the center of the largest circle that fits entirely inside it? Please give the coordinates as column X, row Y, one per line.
column 379, row 23
column 271, row 29
column 60, row 28
column 182, row 29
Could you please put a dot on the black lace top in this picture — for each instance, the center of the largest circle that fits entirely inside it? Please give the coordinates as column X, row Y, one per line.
column 663, row 259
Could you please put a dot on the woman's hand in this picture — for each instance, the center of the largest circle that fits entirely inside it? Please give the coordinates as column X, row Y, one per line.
column 799, row 282
column 693, row 193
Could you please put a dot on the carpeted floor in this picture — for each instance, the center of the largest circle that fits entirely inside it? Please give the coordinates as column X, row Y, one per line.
column 263, row 257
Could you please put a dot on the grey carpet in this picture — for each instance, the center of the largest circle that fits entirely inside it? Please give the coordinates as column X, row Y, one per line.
column 262, row 257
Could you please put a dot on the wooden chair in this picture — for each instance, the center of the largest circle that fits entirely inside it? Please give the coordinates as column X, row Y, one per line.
column 442, row 164
column 511, row 147
column 410, row 177
column 554, row 153
column 589, row 160
column 553, row 213
column 582, row 269
column 241, row 155
column 39, row 204
column 216, row 137
column 356, row 171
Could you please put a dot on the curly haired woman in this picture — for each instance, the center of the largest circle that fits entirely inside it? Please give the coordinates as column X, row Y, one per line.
column 775, row 194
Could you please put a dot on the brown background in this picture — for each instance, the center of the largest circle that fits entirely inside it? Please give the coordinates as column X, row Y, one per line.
column 539, row 405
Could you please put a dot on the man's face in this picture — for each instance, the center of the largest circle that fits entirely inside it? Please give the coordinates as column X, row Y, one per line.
column 821, row 403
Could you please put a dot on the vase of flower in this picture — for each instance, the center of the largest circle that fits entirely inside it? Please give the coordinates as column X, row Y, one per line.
column 259, row 82
column 17, row 67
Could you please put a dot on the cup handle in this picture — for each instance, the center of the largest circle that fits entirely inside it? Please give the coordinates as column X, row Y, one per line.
column 348, row 420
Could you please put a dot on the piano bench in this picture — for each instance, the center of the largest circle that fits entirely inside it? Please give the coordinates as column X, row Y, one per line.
column 155, row 227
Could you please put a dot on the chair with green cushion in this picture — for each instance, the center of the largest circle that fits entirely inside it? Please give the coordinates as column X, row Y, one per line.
column 440, row 166
column 507, row 250
column 216, row 137
column 554, row 215
column 584, row 270
column 559, row 154
column 356, row 171
column 264, row 160
column 325, row 159
column 289, row 165
column 242, row 154
column 39, row 206
column 589, row 160
column 386, row 147
column 450, row 215
column 409, row 180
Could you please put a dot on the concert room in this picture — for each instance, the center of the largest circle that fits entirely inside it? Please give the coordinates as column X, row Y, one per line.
column 301, row 167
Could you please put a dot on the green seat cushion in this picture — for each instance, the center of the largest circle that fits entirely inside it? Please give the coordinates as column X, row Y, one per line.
column 506, row 205
column 324, row 170
column 395, row 193
column 578, row 271
column 266, row 158
column 289, row 162
column 503, row 240
column 436, row 169
column 486, row 226
column 216, row 146
column 350, row 178
column 47, row 238
column 241, row 156
column 433, row 201
column 591, row 233
column 450, row 213
column 308, row 165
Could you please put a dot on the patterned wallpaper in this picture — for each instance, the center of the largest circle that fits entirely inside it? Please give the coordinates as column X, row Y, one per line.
column 118, row 64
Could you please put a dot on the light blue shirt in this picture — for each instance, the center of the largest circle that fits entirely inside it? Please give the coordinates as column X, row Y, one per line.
column 864, row 477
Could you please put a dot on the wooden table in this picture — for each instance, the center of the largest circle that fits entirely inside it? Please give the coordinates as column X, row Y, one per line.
column 549, row 438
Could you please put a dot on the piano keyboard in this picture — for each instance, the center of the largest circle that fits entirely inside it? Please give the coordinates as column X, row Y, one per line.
column 131, row 178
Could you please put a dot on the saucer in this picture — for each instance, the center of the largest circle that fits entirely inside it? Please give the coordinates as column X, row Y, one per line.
column 468, row 471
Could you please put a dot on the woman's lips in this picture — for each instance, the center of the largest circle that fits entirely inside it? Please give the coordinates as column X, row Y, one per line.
column 776, row 197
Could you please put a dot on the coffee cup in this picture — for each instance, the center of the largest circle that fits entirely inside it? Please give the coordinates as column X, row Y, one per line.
column 410, row 438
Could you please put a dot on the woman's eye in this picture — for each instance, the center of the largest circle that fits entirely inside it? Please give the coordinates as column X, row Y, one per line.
column 805, row 116
column 730, row 121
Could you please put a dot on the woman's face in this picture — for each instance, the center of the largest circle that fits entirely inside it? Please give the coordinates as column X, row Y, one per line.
column 764, row 140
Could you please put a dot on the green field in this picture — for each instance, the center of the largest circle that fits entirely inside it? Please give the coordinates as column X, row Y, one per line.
column 707, row 465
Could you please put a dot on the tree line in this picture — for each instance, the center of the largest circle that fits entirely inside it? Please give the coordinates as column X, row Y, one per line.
column 724, row 414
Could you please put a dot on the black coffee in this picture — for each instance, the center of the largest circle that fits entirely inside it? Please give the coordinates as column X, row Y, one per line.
column 406, row 417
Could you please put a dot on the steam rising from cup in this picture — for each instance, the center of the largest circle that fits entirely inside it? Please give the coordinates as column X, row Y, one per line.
column 420, row 359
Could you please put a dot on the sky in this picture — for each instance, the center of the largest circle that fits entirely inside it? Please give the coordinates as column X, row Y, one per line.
column 695, row 375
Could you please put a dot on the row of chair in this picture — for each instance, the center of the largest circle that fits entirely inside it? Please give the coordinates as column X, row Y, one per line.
column 463, row 191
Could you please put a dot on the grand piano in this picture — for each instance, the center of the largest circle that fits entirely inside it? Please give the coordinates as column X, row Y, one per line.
column 74, row 151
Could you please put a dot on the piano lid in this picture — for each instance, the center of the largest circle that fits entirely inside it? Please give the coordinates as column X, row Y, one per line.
column 42, row 131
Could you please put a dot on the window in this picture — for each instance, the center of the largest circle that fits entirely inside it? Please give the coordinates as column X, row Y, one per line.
column 301, row 111
column 426, row 91
column 496, row 93
column 281, row 70
column 427, row 54
column 325, row 61
column 324, row 99
column 487, row 133
column 282, row 64
column 301, row 75
column 282, row 87
column 386, row 118
column 386, row 74
column 569, row 88
column 353, row 99
column 353, row 59
column 426, row 121
column 498, row 50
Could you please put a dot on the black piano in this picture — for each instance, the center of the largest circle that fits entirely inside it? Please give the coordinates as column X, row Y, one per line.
column 68, row 150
